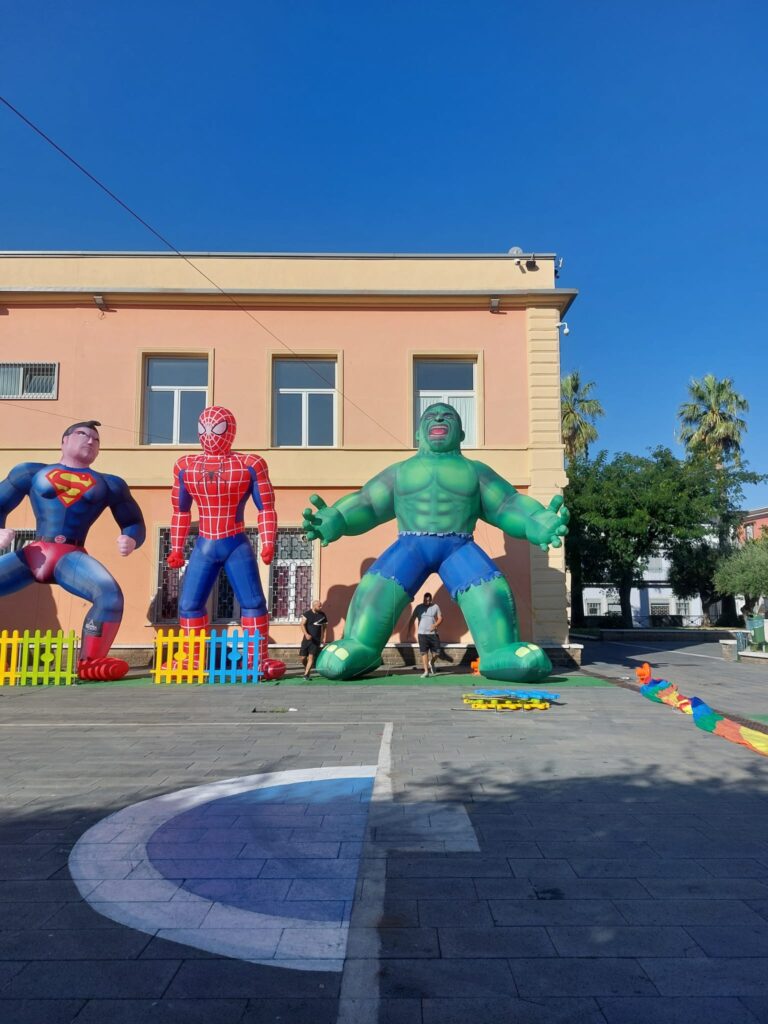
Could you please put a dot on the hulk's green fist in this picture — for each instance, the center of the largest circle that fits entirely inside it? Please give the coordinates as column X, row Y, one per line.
column 322, row 523
column 549, row 525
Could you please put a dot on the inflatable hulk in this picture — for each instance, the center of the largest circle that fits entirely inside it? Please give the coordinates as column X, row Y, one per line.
column 437, row 496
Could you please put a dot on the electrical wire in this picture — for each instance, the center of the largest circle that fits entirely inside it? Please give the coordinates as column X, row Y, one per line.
column 166, row 242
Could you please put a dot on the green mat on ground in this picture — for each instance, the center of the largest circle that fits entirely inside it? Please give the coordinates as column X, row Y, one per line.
column 466, row 680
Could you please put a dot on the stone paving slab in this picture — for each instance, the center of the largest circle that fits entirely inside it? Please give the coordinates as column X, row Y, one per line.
column 600, row 863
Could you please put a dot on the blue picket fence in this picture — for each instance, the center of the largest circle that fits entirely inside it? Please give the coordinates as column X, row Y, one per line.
column 227, row 656
column 224, row 659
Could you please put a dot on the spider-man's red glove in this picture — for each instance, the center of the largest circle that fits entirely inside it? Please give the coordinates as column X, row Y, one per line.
column 175, row 560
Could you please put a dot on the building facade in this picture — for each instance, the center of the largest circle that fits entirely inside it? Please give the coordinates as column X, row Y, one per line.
column 653, row 604
column 326, row 361
column 754, row 523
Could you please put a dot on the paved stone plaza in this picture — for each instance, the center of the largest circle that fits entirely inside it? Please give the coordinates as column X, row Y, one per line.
column 603, row 861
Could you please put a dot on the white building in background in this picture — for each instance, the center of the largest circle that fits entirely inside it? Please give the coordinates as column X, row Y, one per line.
column 655, row 604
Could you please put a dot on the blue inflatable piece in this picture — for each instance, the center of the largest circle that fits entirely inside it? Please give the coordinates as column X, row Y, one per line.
column 521, row 694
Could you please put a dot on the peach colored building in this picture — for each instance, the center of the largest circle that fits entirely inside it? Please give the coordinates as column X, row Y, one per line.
column 326, row 362
column 754, row 523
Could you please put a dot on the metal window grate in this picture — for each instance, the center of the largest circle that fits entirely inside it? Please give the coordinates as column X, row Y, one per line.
column 223, row 604
column 29, row 380
column 22, row 538
column 291, row 577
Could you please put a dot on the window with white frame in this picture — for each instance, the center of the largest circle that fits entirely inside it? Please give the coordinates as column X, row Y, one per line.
column 593, row 607
column 750, row 531
column 175, row 393
column 452, row 381
column 683, row 608
column 29, row 380
column 291, row 576
column 222, row 604
column 304, row 403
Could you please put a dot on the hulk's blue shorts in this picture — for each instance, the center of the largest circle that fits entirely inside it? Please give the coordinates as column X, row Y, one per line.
column 455, row 557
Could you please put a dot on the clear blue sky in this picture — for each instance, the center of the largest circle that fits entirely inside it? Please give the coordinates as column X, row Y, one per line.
column 630, row 138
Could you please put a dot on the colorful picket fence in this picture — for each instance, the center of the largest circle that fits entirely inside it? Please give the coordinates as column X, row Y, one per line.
column 36, row 658
column 215, row 658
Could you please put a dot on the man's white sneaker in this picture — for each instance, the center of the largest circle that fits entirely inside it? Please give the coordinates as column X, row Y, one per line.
column 424, row 675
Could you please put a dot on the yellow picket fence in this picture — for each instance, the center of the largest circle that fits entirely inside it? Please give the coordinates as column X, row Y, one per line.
column 36, row 658
column 216, row 657
column 179, row 657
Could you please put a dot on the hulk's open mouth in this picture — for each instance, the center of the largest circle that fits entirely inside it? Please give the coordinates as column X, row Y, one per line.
column 438, row 430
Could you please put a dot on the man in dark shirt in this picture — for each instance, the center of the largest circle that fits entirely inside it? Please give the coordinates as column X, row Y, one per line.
column 313, row 626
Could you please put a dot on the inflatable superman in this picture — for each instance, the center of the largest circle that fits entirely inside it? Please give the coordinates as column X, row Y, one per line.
column 67, row 499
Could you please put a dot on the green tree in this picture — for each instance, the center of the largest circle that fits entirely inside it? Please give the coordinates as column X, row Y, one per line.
column 578, row 412
column 710, row 421
column 745, row 571
column 585, row 554
column 711, row 428
column 629, row 508
column 693, row 562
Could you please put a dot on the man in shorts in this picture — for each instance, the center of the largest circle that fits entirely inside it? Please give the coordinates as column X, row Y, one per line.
column 313, row 626
column 429, row 641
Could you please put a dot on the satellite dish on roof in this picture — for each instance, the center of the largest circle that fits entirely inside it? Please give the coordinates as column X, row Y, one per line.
column 515, row 251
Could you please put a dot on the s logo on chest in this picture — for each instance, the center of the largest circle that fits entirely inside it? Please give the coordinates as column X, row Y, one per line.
column 70, row 486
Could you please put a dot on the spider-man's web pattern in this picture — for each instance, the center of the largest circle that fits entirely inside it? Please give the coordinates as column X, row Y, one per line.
column 220, row 487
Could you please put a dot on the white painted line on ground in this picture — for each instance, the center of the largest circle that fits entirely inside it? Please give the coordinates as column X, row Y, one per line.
column 359, row 995
column 175, row 724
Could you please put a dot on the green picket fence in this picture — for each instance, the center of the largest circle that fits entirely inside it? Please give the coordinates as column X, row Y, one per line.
column 36, row 658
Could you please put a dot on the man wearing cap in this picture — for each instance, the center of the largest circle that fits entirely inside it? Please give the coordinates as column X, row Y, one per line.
column 67, row 498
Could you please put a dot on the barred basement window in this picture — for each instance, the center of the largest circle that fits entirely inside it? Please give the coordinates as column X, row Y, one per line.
column 291, row 579
column 29, row 380
column 22, row 538
column 222, row 605
column 659, row 607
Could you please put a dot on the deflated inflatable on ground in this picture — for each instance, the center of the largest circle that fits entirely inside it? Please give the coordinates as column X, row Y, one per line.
column 67, row 498
column 437, row 497
column 662, row 692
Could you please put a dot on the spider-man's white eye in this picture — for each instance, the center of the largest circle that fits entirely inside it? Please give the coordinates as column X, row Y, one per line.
column 220, row 428
column 200, row 428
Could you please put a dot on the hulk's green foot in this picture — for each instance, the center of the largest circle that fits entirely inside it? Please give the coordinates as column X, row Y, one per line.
column 516, row 663
column 347, row 659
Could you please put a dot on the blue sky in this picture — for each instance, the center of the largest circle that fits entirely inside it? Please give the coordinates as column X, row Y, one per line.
column 629, row 138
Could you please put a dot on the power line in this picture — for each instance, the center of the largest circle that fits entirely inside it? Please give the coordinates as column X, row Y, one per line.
column 188, row 261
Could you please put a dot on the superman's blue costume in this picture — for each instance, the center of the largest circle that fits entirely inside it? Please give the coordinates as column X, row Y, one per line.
column 66, row 503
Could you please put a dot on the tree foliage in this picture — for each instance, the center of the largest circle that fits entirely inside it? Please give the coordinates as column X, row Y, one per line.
column 693, row 563
column 745, row 571
column 578, row 412
column 626, row 509
column 710, row 421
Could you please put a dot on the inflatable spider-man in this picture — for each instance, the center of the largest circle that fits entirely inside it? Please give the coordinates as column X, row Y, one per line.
column 220, row 482
column 67, row 499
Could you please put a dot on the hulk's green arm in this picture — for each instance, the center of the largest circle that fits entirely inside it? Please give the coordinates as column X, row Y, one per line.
column 371, row 506
column 517, row 514
column 355, row 513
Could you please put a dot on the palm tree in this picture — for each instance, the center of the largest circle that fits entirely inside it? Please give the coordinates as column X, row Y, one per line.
column 577, row 412
column 709, row 423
